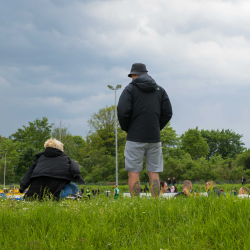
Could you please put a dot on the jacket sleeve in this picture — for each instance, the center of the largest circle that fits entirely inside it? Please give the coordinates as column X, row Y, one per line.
column 166, row 111
column 75, row 172
column 124, row 109
column 25, row 182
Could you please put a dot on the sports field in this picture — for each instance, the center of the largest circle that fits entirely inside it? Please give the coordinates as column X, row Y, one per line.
column 137, row 223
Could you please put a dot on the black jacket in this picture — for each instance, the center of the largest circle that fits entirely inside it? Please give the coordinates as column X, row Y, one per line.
column 52, row 163
column 143, row 110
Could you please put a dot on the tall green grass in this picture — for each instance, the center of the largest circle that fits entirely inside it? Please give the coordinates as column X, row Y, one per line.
column 126, row 223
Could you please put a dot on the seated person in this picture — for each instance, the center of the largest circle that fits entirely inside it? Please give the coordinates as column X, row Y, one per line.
column 244, row 192
column 172, row 189
column 175, row 189
column 212, row 189
column 164, row 187
column 234, row 191
column 51, row 173
column 187, row 186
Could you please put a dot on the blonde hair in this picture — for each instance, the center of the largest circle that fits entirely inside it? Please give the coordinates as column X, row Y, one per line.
column 245, row 190
column 53, row 143
column 187, row 184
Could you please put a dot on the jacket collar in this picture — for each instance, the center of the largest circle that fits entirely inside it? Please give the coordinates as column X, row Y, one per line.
column 52, row 152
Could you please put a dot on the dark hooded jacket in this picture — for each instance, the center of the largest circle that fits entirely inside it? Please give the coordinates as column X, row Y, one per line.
column 143, row 110
column 52, row 163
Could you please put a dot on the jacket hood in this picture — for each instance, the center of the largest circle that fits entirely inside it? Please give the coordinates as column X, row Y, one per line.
column 52, row 152
column 145, row 83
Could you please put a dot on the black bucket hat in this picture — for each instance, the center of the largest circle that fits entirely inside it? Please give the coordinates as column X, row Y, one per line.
column 138, row 69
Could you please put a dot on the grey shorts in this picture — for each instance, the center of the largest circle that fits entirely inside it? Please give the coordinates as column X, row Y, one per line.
column 135, row 151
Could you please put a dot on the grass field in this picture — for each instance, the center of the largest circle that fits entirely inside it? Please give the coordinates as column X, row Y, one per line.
column 137, row 223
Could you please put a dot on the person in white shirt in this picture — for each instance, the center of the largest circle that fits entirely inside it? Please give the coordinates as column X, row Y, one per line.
column 244, row 192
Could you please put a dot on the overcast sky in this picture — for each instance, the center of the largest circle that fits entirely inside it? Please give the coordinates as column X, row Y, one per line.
column 57, row 58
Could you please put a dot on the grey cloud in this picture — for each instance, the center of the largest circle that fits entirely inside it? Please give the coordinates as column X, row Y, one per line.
column 56, row 59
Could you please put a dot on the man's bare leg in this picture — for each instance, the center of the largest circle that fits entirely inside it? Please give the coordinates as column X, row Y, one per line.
column 154, row 183
column 134, row 183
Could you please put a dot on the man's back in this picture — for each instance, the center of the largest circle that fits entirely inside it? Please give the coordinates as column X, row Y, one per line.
column 143, row 110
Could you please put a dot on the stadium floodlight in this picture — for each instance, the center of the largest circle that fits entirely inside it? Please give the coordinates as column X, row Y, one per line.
column 5, row 167
column 111, row 87
column 116, row 154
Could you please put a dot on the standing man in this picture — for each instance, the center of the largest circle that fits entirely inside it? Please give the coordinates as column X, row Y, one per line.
column 169, row 182
column 143, row 111
column 242, row 180
column 82, row 190
column 116, row 192
column 93, row 192
column 174, row 181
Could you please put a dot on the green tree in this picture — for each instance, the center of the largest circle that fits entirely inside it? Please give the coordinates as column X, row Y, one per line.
column 169, row 138
column 33, row 135
column 225, row 143
column 244, row 159
column 102, row 132
column 73, row 145
column 12, row 158
column 24, row 162
column 193, row 143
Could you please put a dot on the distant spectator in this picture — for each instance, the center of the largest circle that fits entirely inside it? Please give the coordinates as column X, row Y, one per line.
column 93, row 192
column 5, row 190
column 82, row 190
column 164, row 187
column 244, row 192
column 234, row 191
column 174, row 181
column 212, row 189
column 175, row 189
column 187, row 186
column 146, row 190
column 107, row 193
column 242, row 180
column 98, row 192
column 116, row 192
column 172, row 189
column 88, row 192
column 169, row 182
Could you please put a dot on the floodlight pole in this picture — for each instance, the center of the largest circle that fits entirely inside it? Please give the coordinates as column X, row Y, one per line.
column 4, row 168
column 116, row 153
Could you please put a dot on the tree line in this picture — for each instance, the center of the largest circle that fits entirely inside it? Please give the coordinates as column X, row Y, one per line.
column 194, row 155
